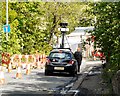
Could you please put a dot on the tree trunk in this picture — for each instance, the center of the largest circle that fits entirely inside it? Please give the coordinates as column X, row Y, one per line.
column 52, row 30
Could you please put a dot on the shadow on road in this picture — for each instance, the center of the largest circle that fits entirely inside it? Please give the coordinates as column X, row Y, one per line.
column 56, row 74
column 20, row 93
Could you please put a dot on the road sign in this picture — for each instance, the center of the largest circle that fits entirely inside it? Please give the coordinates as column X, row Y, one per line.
column 6, row 28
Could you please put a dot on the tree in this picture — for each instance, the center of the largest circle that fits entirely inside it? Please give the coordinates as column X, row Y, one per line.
column 106, row 33
column 12, row 45
column 58, row 12
column 33, row 24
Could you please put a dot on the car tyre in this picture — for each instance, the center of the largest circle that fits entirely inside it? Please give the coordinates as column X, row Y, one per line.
column 73, row 73
column 46, row 73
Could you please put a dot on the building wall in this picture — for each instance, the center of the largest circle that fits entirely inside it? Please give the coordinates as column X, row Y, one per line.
column 75, row 40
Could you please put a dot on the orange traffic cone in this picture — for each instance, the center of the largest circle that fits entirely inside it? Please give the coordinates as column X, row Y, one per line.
column 94, row 58
column 2, row 77
column 19, row 74
column 9, row 68
column 28, row 69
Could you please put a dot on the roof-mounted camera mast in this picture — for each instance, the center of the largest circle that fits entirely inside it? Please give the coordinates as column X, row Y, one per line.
column 63, row 25
column 63, row 30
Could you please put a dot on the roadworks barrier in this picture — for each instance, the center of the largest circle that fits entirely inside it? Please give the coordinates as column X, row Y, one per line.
column 36, row 60
column 43, row 60
column 31, row 60
column 5, row 59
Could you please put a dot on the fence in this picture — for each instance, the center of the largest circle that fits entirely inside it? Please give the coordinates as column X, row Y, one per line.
column 35, row 60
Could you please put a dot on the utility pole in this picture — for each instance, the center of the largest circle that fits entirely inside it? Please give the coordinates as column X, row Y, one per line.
column 6, row 18
column 1, row 34
column 63, row 34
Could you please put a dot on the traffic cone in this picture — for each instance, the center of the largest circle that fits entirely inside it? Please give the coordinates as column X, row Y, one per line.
column 2, row 77
column 19, row 74
column 9, row 67
column 28, row 69
column 94, row 58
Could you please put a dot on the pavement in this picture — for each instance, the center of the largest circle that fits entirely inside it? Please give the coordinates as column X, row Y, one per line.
column 93, row 84
column 90, row 82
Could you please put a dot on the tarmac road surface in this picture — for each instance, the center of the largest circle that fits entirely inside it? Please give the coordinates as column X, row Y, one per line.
column 35, row 83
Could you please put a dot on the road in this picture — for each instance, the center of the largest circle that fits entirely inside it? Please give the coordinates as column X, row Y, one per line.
column 35, row 83
column 38, row 83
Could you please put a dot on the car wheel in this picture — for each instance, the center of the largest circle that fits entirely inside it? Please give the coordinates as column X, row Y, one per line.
column 47, row 73
column 76, row 71
column 73, row 73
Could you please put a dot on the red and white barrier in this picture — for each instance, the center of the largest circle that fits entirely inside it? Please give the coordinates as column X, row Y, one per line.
column 36, row 60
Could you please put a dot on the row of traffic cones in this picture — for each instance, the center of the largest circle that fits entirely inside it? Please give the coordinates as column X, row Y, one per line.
column 18, row 74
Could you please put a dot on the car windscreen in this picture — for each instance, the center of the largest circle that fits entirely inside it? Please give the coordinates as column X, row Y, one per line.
column 62, row 55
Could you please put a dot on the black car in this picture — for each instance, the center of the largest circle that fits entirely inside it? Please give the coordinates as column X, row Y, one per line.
column 61, row 60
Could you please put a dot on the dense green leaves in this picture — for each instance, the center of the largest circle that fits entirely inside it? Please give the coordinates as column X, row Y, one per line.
column 33, row 24
column 107, row 32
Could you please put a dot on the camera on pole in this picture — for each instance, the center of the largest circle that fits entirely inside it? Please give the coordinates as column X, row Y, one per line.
column 63, row 30
column 63, row 25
